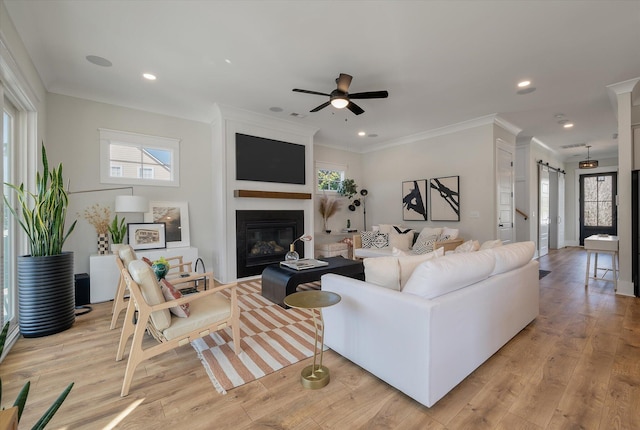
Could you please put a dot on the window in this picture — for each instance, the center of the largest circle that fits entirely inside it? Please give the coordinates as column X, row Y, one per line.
column 116, row 171
column 131, row 158
column 329, row 176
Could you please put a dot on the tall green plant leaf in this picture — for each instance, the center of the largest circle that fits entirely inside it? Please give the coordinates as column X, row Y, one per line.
column 21, row 400
column 49, row 413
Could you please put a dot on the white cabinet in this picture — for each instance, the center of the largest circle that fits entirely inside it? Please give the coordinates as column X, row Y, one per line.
column 104, row 272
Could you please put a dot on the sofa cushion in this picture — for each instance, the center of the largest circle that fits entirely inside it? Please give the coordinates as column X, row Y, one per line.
column 382, row 271
column 512, row 256
column 401, row 241
column 490, row 244
column 371, row 252
column 440, row 276
column 146, row 280
column 408, row 264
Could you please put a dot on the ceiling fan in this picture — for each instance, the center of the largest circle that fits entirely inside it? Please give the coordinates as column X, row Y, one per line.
column 340, row 97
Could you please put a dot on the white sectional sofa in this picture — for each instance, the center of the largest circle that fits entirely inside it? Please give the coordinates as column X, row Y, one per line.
column 451, row 315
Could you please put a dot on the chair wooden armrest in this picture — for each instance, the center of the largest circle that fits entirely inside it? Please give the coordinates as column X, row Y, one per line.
column 448, row 245
column 212, row 315
column 357, row 241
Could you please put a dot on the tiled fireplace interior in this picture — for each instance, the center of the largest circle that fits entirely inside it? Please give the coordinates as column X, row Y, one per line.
column 263, row 237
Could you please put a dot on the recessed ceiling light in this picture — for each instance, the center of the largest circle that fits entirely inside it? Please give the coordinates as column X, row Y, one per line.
column 275, row 109
column 373, row 135
column 98, row 61
column 149, row 76
column 361, row 133
column 568, row 125
column 524, row 84
column 226, row 60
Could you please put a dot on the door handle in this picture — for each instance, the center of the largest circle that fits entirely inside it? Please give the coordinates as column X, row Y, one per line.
column 500, row 225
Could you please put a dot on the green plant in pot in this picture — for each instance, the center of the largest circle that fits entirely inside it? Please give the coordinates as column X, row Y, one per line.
column 117, row 230
column 46, row 293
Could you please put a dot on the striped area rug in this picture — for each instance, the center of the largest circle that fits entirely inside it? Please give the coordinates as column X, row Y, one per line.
column 272, row 338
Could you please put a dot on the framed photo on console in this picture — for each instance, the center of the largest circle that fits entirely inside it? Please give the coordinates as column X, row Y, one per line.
column 176, row 216
column 147, row 235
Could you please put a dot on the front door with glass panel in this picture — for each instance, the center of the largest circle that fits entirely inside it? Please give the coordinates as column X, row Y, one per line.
column 598, row 211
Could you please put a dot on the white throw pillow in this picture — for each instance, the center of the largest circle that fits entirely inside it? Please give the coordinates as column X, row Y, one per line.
column 382, row 271
column 440, row 276
column 401, row 241
column 409, row 263
column 449, row 233
column 489, row 244
column 512, row 256
column 468, row 246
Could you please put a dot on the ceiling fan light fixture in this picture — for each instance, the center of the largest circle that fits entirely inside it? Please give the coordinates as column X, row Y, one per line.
column 339, row 102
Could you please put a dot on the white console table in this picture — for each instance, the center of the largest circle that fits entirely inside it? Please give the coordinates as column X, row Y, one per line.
column 104, row 272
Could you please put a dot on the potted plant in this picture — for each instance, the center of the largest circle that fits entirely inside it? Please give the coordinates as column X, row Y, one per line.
column 46, row 293
column 99, row 216
column 117, row 231
column 348, row 188
column 328, row 208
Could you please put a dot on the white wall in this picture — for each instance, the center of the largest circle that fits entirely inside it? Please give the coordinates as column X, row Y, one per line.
column 72, row 138
column 467, row 153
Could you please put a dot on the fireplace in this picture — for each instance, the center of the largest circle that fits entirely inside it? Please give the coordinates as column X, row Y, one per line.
column 263, row 237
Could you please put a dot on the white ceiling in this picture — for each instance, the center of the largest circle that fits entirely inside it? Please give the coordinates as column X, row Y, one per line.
column 443, row 62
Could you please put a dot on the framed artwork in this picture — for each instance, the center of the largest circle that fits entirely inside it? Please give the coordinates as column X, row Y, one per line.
column 147, row 235
column 176, row 216
column 445, row 198
column 414, row 200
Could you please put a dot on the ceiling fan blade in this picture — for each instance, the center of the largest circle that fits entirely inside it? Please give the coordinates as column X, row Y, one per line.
column 343, row 82
column 370, row 95
column 322, row 106
column 355, row 108
column 310, row 92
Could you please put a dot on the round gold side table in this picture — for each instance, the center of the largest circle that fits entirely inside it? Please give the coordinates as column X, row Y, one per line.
column 314, row 376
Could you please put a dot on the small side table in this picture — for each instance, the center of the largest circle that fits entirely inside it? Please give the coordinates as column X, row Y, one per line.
column 602, row 244
column 314, row 376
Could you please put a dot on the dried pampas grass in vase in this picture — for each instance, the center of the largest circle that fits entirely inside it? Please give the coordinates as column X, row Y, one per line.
column 328, row 208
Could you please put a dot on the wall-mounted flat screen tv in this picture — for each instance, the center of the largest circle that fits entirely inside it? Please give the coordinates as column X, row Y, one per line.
column 268, row 160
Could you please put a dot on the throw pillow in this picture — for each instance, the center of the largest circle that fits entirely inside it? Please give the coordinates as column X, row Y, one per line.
column 382, row 271
column 401, row 241
column 146, row 260
column 409, row 263
column 424, row 243
column 374, row 239
column 171, row 293
column 468, row 246
column 451, row 233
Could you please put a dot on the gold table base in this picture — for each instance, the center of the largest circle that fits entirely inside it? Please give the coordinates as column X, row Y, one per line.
column 314, row 380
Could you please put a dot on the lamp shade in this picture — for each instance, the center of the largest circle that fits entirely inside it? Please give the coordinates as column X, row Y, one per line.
column 132, row 204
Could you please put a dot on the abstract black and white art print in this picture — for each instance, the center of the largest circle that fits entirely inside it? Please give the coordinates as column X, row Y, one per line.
column 414, row 200
column 445, row 198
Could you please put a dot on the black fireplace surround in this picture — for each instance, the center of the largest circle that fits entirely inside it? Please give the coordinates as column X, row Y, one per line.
column 263, row 237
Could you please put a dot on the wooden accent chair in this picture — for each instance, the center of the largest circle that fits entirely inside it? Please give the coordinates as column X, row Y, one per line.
column 125, row 255
column 209, row 311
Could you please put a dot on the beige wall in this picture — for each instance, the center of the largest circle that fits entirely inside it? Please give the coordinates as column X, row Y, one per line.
column 73, row 139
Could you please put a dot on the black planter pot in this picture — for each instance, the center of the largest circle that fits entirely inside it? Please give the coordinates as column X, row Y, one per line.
column 46, row 294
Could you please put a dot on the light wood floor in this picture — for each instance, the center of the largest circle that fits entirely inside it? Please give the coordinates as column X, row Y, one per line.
column 576, row 366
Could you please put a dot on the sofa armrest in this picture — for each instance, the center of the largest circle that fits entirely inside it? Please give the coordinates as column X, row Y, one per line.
column 357, row 241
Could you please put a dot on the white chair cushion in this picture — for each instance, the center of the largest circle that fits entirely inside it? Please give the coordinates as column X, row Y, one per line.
column 203, row 312
column 151, row 292
column 127, row 255
column 440, row 276
column 512, row 256
column 382, row 271
column 409, row 263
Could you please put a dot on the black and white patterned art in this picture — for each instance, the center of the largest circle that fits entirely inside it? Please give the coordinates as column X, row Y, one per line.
column 414, row 200
column 445, row 198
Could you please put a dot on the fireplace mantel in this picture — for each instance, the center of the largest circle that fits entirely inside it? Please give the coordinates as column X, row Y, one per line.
column 271, row 194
